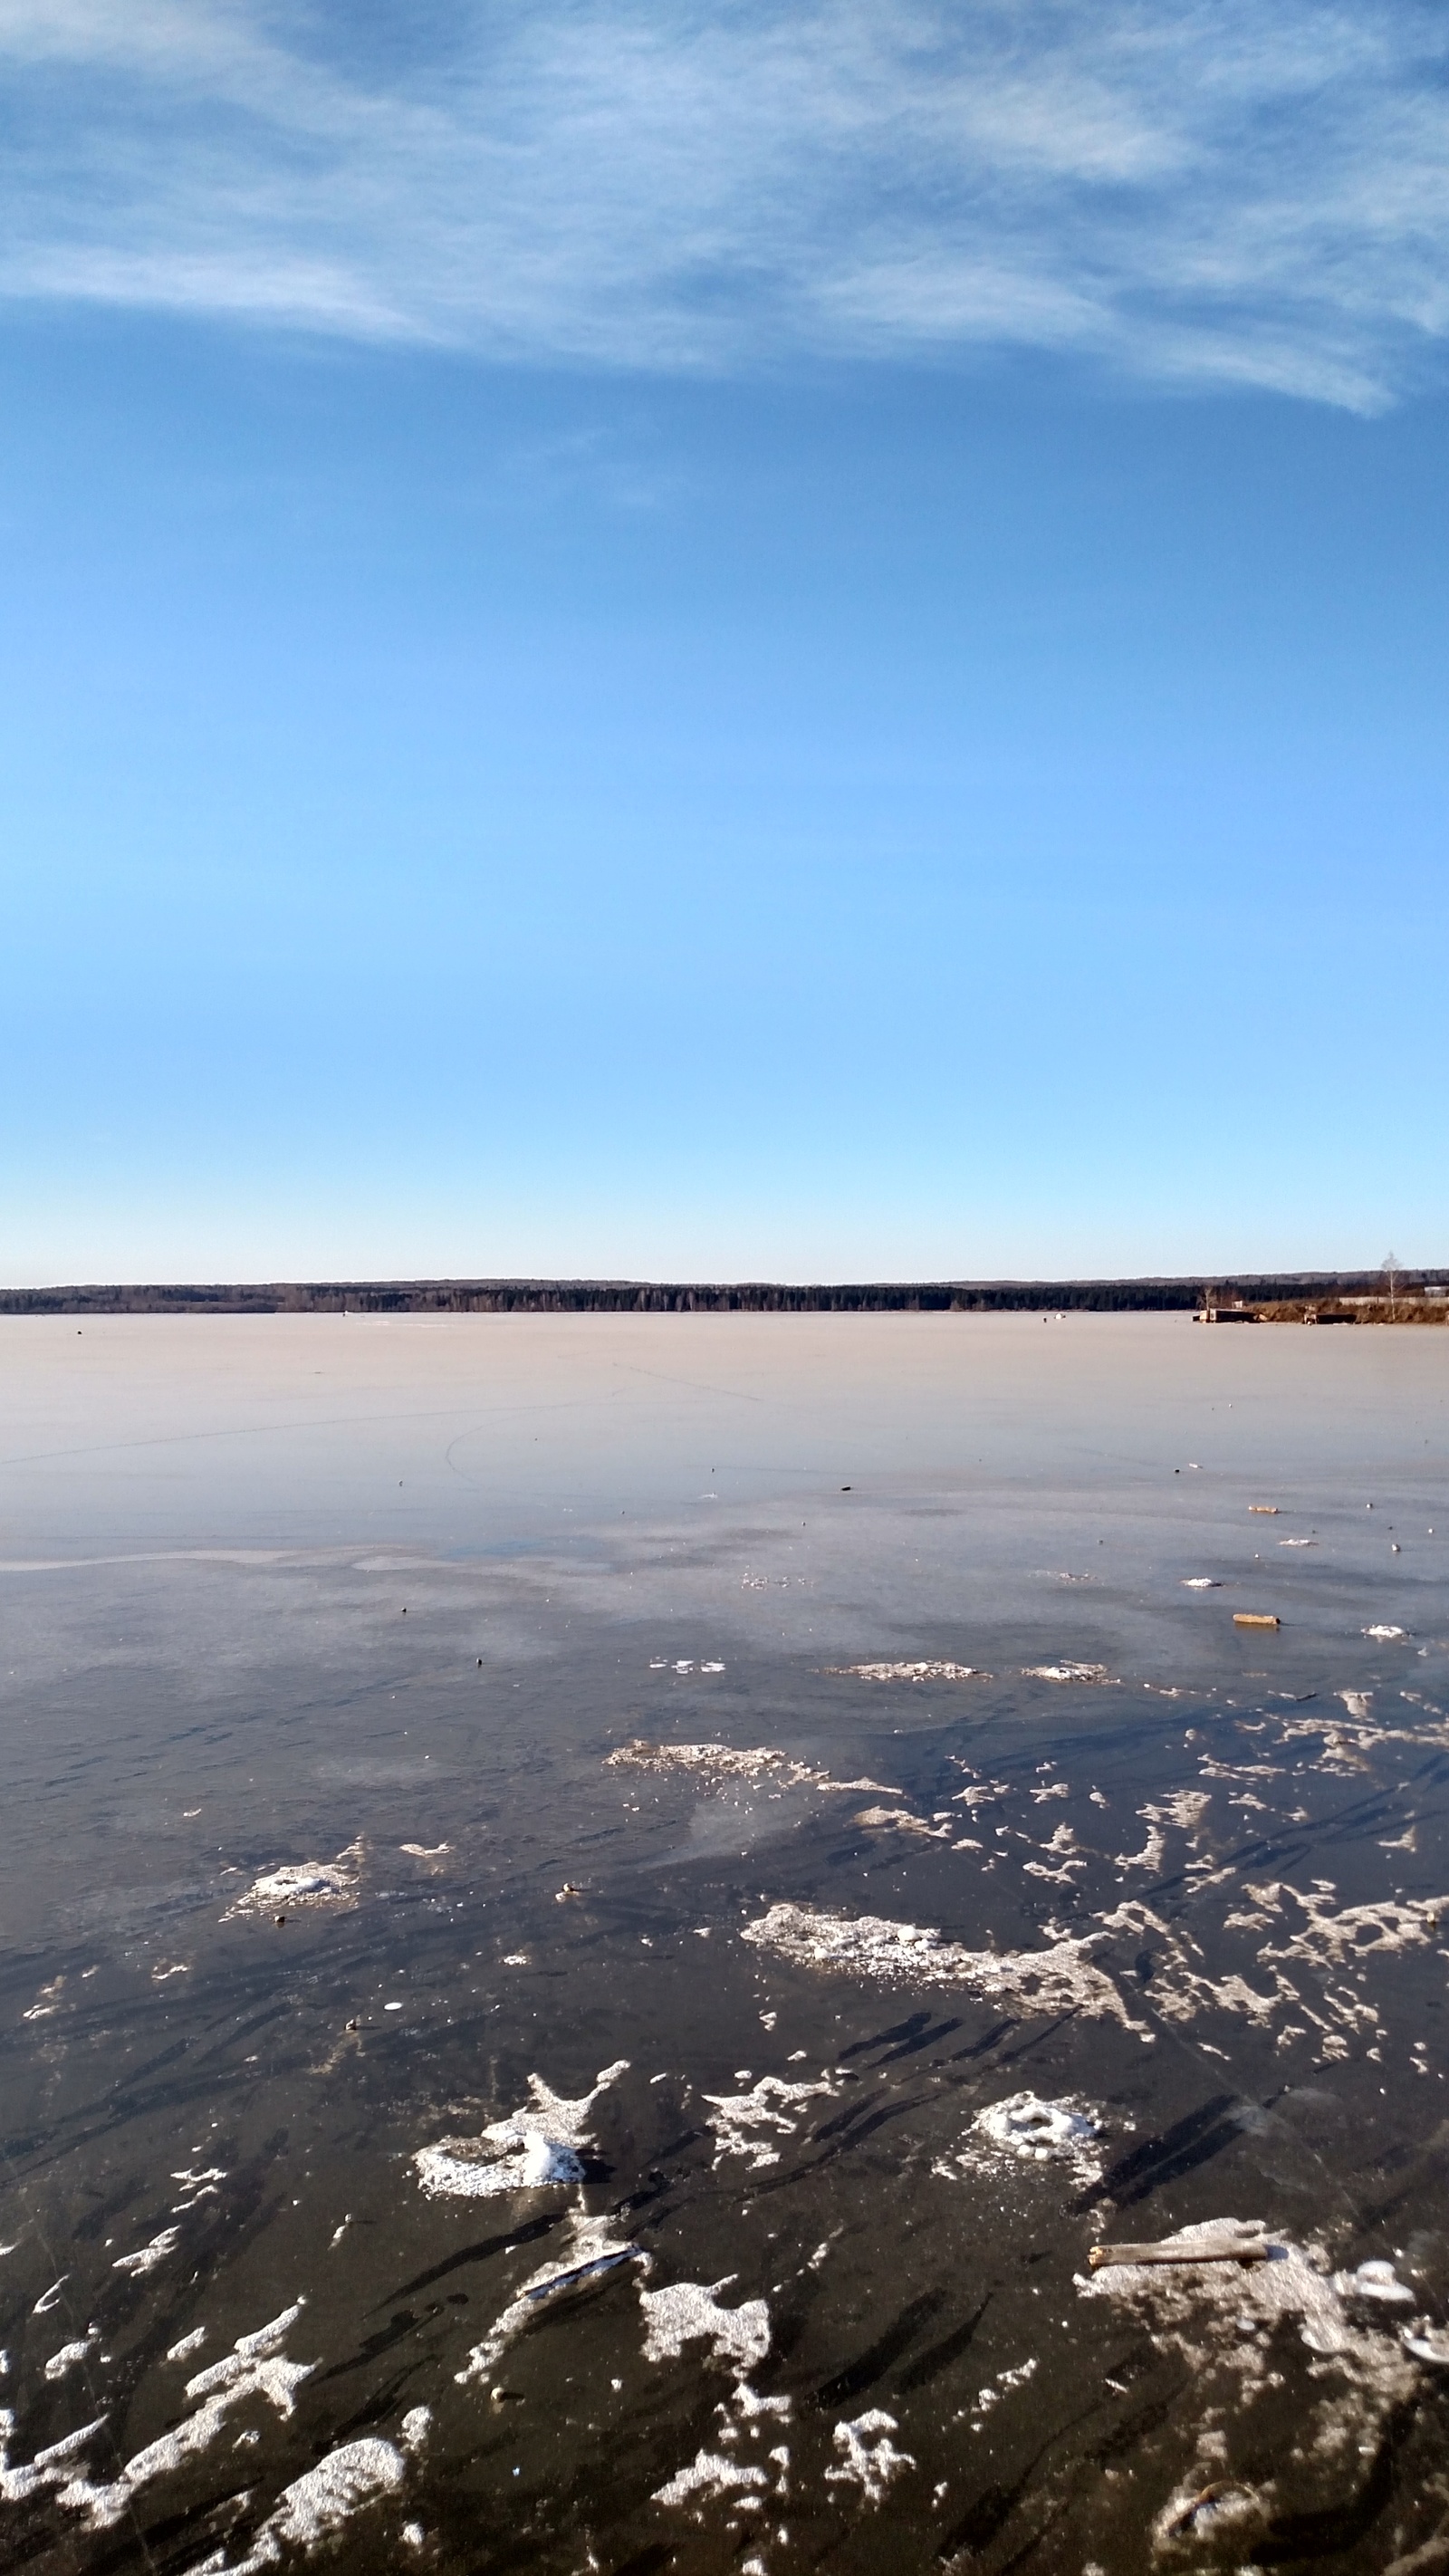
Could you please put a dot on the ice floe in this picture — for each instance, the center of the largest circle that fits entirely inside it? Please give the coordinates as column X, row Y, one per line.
column 529, row 2151
column 1032, row 1983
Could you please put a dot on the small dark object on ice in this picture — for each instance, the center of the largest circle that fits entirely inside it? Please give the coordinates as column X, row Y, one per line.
column 1227, row 2249
column 1214, row 2494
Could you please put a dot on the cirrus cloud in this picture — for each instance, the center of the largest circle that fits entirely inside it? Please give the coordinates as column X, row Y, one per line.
column 1193, row 191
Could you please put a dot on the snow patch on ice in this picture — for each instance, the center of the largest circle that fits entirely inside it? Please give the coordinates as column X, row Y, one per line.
column 1357, row 1932
column 1003, row 2385
column 294, row 1885
column 1028, row 2130
column 1030, row 1983
column 1070, row 1672
column 256, row 2366
column 51, row 2467
column 530, row 2150
column 718, row 1762
column 901, row 1820
column 709, row 2475
column 1221, row 2318
column 744, row 2123
column 869, row 2459
column 146, row 2257
column 70, row 2354
column 317, row 2505
column 913, row 1672
column 688, row 2312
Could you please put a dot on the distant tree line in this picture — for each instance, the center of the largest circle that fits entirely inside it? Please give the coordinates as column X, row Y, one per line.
column 657, row 1297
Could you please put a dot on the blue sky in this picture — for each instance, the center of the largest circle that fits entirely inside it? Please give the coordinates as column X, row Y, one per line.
column 722, row 641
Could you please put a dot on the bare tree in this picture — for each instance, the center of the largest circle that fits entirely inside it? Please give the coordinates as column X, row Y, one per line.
column 1390, row 1267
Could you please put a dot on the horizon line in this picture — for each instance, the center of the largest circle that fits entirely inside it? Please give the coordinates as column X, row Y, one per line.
column 512, row 1291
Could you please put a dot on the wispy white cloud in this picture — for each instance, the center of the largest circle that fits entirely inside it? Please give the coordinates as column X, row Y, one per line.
column 1195, row 190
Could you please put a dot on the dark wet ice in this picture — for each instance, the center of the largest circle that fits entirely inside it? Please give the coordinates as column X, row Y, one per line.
column 600, row 1913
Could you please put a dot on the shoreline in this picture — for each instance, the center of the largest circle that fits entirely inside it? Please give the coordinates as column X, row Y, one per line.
column 1277, row 1297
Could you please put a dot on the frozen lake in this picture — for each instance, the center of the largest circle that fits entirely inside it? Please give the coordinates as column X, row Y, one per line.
column 533, row 2038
